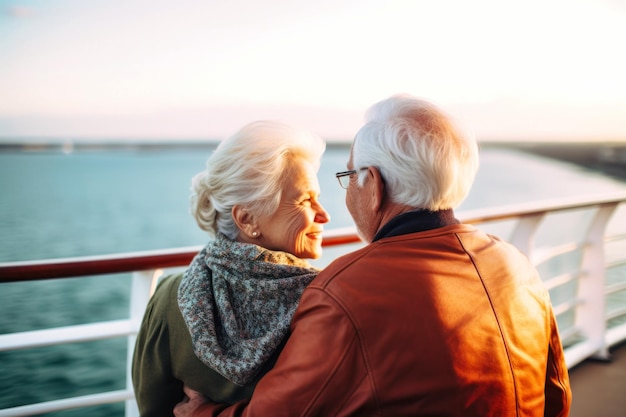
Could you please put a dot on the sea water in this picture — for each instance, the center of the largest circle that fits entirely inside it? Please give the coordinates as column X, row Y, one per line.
column 55, row 205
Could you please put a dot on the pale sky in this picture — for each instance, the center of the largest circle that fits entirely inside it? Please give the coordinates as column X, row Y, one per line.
column 527, row 69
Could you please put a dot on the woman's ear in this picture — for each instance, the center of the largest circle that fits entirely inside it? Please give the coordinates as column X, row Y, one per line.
column 376, row 188
column 245, row 221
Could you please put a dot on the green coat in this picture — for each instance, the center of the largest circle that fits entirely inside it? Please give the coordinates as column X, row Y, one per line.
column 164, row 359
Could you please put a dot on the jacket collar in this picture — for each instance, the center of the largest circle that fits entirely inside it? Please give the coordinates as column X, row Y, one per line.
column 416, row 221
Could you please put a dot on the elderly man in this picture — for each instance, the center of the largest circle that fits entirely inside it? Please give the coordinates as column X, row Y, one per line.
column 432, row 317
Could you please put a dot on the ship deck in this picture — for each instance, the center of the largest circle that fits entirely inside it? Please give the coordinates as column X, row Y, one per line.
column 599, row 387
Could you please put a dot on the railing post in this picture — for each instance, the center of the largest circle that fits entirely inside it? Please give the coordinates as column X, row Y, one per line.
column 590, row 315
column 142, row 288
column 524, row 233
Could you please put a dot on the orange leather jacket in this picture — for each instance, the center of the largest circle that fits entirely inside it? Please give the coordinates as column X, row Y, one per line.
column 442, row 322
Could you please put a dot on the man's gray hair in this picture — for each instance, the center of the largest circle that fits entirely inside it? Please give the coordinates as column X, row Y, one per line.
column 425, row 160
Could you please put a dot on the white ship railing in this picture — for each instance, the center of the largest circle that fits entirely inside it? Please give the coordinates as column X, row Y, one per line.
column 589, row 325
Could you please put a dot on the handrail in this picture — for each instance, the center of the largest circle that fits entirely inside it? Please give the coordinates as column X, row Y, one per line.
column 125, row 262
column 166, row 258
column 589, row 335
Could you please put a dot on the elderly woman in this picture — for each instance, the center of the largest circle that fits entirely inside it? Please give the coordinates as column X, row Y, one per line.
column 220, row 325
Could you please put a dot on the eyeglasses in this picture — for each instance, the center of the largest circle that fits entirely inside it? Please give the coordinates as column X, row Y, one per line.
column 344, row 177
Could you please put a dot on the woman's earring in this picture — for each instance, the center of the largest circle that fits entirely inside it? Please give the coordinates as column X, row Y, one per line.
column 255, row 234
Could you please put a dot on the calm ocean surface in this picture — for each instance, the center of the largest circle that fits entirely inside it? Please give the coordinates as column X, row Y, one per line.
column 90, row 203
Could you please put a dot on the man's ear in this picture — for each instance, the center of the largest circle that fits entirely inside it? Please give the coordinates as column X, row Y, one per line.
column 244, row 220
column 376, row 188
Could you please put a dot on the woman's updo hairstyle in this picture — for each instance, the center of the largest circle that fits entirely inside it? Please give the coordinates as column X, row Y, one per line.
column 247, row 170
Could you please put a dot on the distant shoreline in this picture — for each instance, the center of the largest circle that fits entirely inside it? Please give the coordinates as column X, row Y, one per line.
column 606, row 157
column 68, row 146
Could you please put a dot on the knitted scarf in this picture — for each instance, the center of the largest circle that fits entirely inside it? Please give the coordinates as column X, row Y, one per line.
column 237, row 300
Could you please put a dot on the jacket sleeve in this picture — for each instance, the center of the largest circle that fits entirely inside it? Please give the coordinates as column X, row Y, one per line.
column 320, row 372
column 558, row 394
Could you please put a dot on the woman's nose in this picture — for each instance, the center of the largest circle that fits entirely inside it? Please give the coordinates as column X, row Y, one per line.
column 321, row 215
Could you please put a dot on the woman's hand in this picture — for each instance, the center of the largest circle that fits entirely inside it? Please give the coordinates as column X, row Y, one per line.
column 189, row 404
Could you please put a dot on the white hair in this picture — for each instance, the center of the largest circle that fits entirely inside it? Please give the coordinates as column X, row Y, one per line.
column 247, row 169
column 424, row 159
